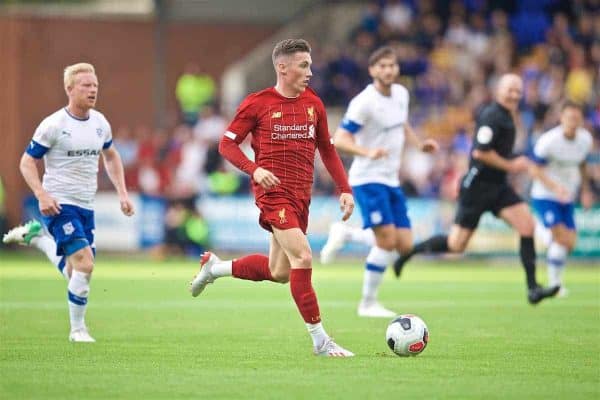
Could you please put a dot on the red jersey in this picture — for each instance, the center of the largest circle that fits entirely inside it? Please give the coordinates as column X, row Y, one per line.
column 285, row 133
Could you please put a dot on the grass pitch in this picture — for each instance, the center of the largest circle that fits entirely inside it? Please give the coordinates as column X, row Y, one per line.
column 246, row 340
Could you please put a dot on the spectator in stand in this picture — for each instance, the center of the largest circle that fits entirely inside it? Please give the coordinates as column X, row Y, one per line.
column 210, row 126
column 193, row 91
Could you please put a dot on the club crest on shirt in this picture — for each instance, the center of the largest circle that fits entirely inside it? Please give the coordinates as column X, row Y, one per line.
column 310, row 111
column 282, row 218
column 99, row 132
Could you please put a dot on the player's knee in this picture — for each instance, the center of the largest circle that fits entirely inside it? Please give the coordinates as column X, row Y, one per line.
column 281, row 276
column 304, row 260
column 82, row 261
column 456, row 245
column 566, row 240
column 526, row 227
column 404, row 248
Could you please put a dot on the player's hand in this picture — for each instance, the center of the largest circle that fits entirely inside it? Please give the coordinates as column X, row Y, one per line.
column 519, row 164
column 429, row 146
column 265, row 178
column 562, row 194
column 48, row 205
column 346, row 205
column 375, row 154
column 587, row 198
column 127, row 207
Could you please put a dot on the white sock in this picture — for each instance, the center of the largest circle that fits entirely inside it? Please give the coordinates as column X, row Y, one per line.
column 79, row 288
column 555, row 258
column 47, row 245
column 221, row 269
column 377, row 261
column 317, row 333
column 543, row 234
column 359, row 235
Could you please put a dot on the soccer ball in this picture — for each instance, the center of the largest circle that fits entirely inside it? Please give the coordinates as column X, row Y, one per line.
column 407, row 335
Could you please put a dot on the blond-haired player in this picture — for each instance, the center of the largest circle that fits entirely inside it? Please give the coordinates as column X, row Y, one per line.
column 71, row 141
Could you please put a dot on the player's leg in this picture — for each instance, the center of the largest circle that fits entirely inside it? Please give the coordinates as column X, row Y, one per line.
column 563, row 242
column 33, row 233
column 375, row 202
column 296, row 247
column 519, row 217
column 465, row 223
column 379, row 257
column 339, row 234
column 253, row 267
column 81, row 258
column 564, row 237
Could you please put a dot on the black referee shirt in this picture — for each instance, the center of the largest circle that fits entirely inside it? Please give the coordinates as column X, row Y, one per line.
column 495, row 131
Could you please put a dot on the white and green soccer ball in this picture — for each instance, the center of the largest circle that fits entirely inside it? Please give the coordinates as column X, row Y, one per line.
column 407, row 335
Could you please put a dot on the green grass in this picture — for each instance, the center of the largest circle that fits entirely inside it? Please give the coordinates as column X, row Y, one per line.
column 246, row 340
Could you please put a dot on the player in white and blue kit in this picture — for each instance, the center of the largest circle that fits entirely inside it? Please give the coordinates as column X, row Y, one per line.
column 374, row 129
column 559, row 171
column 71, row 141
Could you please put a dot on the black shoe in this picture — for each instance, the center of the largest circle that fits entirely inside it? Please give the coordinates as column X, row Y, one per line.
column 399, row 264
column 539, row 293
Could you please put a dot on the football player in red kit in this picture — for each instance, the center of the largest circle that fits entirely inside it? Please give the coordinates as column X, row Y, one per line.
column 288, row 123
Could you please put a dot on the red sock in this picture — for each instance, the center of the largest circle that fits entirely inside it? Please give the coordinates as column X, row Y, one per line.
column 304, row 295
column 254, row 267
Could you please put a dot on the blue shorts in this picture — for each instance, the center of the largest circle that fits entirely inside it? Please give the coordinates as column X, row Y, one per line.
column 73, row 229
column 553, row 213
column 381, row 205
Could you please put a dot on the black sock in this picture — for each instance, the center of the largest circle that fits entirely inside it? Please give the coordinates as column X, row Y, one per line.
column 435, row 244
column 527, row 252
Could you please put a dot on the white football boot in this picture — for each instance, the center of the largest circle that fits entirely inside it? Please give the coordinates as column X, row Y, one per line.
column 81, row 335
column 338, row 234
column 23, row 234
column 374, row 309
column 204, row 275
column 329, row 348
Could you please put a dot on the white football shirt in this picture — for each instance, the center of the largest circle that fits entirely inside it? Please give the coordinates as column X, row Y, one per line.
column 377, row 121
column 561, row 158
column 71, row 147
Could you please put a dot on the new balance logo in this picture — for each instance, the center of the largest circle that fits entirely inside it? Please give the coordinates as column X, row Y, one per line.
column 276, row 114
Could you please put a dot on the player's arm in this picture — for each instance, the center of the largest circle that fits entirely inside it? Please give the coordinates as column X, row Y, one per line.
column 587, row 196
column 344, row 141
column 538, row 172
column 426, row 146
column 47, row 204
column 484, row 152
column 495, row 160
column 242, row 124
column 356, row 116
column 114, row 169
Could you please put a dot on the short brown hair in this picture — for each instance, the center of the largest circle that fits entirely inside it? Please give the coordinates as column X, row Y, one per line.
column 290, row 46
column 382, row 52
column 571, row 104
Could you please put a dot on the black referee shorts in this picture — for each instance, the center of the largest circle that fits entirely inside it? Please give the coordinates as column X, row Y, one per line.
column 481, row 197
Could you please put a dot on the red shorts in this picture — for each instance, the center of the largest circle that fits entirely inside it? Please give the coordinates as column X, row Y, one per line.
column 283, row 213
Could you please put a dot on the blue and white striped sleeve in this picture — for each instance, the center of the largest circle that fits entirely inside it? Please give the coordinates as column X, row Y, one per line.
column 355, row 116
column 541, row 151
column 42, row 140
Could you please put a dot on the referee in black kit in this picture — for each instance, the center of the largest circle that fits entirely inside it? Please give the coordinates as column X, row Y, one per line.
column 485, row 187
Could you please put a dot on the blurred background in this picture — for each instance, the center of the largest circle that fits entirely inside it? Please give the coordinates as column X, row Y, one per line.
column 172, row 73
